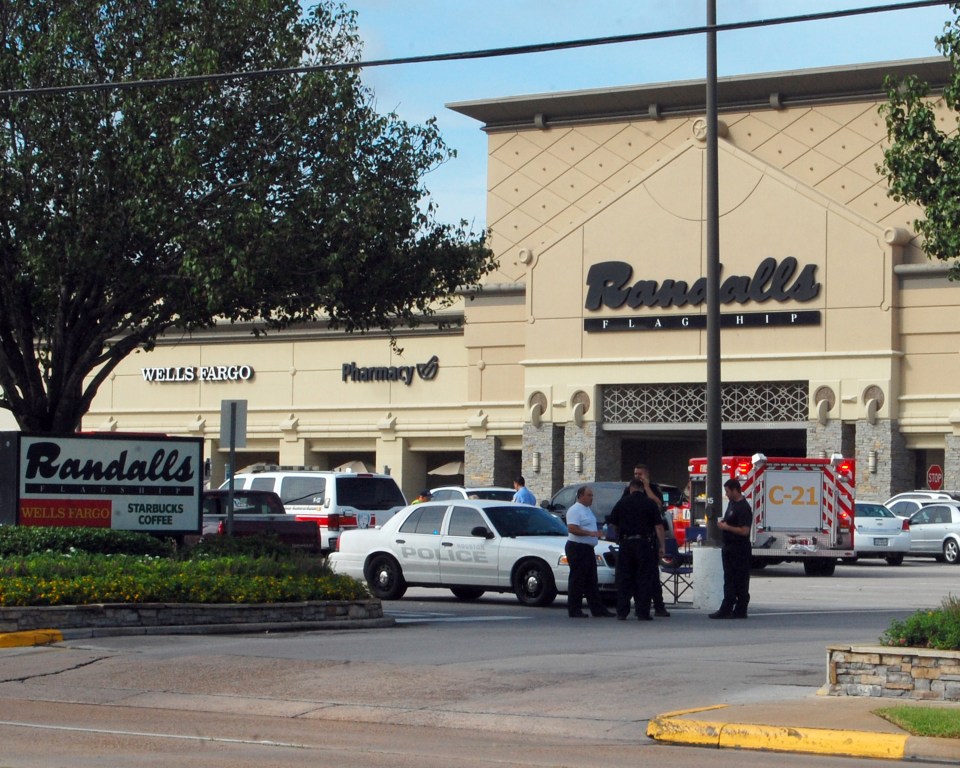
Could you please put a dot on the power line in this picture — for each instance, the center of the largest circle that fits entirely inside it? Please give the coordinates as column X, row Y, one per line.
column 518, row 50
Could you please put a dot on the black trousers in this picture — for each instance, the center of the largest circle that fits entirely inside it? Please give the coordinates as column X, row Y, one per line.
column 583, row 578
column 736, row 579
column 637, row 570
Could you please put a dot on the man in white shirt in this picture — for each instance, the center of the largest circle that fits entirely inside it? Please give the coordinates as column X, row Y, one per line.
column 582, row 558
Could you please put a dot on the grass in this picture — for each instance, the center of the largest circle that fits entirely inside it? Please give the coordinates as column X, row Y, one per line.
column 943, row 722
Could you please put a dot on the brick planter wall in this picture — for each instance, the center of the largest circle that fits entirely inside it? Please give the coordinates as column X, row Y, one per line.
column 905, row 673
column 122, row 618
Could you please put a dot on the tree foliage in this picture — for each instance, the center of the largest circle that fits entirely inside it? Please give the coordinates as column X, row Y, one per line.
column 129, row 211
column 922, row 165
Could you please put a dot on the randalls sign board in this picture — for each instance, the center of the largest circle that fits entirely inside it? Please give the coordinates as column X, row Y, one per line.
column 141, row 483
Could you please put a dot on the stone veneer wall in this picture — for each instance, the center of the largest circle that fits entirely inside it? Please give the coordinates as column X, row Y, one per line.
column 905, row 673
column 895, row 463
column 195, row 615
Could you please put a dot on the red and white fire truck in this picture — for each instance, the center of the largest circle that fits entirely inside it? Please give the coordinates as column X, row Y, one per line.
column 802, row 508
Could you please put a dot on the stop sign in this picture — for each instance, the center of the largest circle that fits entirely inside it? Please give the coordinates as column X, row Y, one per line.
column 935, row 477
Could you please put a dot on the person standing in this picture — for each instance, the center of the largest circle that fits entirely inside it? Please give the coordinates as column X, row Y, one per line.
column 523, row 494
column 582, row 557
column 735, row 553
column 639, row 525
column 641, row 473
column 425, row 495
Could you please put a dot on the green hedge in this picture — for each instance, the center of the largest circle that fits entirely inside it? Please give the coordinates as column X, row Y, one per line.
column 46, row 566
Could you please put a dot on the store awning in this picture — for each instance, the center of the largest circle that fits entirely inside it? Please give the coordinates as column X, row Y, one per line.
column 352, row 466
column 450, row 468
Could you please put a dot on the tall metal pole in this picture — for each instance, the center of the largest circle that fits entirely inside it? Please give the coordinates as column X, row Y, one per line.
column 714, row 436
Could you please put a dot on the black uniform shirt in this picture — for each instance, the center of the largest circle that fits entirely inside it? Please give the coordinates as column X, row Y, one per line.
column 635, row 514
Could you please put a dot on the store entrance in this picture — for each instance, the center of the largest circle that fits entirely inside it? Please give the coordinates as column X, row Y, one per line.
column 667, row 453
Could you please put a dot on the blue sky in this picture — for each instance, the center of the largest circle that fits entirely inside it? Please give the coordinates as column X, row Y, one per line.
column 416, row 92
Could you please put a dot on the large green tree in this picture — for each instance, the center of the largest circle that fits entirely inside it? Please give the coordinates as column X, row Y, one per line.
column 922, row 164
column 132, row 210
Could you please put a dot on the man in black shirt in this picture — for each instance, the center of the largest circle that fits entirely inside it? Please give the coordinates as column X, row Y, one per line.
column 641, row 472
column 735, row 552
column 639, row 527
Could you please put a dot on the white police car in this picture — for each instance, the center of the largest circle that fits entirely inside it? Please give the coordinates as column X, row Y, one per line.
column 469, row 547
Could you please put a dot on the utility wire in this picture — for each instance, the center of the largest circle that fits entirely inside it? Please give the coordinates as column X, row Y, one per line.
column 488, row 53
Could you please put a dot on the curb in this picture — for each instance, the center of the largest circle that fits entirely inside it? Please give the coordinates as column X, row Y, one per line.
column 673, row 728
column 32, row 637
column 48, row 636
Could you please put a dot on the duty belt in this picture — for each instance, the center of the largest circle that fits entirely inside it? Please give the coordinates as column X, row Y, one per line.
column 637, row 536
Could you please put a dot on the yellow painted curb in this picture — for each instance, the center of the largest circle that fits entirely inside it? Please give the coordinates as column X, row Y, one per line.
column 33, row 637
column 778, row 738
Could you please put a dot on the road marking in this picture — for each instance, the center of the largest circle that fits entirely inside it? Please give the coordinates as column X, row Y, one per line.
column 446, row 618
column 153, row 735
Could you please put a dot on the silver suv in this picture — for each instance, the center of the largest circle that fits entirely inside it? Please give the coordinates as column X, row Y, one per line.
column 335, row 500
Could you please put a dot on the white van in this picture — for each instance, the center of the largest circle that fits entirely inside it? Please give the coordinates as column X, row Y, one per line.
column 335, row 500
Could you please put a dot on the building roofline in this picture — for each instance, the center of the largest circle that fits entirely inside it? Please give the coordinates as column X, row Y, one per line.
column 773, row 90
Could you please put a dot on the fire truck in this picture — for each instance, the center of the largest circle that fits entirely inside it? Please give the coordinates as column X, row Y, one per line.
column 802, row 507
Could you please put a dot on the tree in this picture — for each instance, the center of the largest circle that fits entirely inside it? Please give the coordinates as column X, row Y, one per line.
column 272, row 199
column 922, row 165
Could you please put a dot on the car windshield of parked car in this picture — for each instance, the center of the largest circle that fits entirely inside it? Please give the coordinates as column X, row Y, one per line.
column 511, row 522
column 369, row 493
column 872, row 510
column 490, row 494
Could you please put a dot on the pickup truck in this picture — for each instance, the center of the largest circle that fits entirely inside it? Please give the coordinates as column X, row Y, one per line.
column 257, row 512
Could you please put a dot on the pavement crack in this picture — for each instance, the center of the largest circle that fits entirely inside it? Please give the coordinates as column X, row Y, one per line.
column 78, row 665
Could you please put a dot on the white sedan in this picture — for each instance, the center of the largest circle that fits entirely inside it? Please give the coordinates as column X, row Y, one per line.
column 468, row 547
column 880, row 533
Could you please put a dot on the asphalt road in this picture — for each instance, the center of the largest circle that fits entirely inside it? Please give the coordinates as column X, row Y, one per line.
column 466, row 684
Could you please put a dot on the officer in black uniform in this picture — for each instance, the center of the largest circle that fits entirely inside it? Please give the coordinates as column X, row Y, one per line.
column 735, row 553
column 639, row 527
column 641, row 472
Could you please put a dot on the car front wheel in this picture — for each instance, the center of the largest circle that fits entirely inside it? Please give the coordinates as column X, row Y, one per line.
column 533, row 583
column 385, row 578
column 951, row 551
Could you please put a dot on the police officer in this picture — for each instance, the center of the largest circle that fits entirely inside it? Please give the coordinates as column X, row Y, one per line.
column 641, row 472
column 735, row 553
column 639, row 525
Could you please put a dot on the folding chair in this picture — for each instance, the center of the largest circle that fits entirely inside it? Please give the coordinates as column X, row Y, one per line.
column 676, row 570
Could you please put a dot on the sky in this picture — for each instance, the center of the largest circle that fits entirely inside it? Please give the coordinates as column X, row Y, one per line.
column 417, row 92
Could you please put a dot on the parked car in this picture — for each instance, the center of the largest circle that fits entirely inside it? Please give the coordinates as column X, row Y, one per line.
column 256, row 512
column 877, row 532
column 469, row 547
column 605, row 494
column 935, row 530
column 335, row 501
column 490, row 492
column 924, row 495
column 908, row 507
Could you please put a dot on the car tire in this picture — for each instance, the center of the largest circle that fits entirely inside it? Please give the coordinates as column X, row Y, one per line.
column 385, row 578
column 951, row 551
column 819, row 566
column 850, row 560
column 467, row 593
column 894, row 559
column 533, row 583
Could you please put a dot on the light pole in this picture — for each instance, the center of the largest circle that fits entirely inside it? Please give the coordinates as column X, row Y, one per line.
column 714, row 403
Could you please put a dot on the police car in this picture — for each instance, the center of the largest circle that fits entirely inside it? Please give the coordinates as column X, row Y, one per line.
column 469, row 547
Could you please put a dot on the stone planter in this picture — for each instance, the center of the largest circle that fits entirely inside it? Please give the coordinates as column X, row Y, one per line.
column 918, row 674
column 134, row 618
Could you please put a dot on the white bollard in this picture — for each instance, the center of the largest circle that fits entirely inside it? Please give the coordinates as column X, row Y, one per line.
column 707, row 578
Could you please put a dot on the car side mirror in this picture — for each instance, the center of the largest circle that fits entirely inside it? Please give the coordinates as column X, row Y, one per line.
column 482, row 532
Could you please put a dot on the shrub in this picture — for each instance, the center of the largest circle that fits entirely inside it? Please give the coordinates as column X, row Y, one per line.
column 938, row 628
column 19, row 541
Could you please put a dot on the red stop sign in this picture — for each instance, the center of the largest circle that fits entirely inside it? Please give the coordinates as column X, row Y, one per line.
column 935, row 477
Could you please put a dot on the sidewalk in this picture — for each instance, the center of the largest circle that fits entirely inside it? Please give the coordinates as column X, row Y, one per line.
column 827, row 725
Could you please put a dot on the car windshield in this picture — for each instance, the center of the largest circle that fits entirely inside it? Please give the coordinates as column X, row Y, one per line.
column 872, row 510
column 369, row 493
column 489, row 494
column 525, row 521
